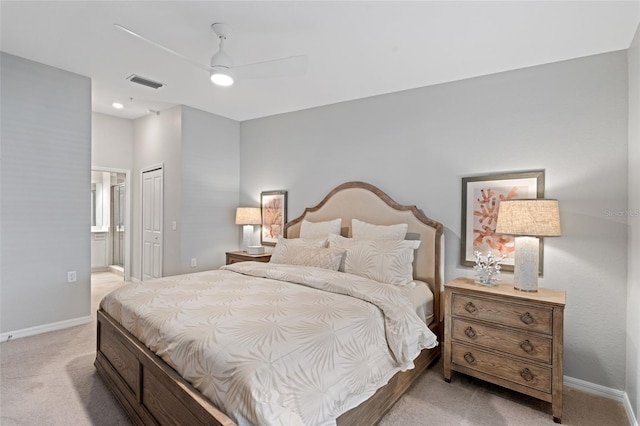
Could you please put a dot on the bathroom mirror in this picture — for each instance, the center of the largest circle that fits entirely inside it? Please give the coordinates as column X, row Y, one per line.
column 100, row 201
column 96, row 204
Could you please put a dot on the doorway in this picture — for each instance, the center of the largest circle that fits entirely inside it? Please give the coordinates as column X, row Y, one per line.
column 110, row 218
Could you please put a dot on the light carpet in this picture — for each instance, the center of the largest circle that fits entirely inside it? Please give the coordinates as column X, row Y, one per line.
column 49, row 379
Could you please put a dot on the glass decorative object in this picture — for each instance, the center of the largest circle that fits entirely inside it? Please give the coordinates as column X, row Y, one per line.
column 487, row 268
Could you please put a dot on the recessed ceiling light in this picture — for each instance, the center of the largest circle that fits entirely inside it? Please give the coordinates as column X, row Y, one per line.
column 117, row 105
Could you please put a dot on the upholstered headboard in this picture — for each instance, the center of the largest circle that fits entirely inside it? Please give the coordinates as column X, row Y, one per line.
column 367, row 203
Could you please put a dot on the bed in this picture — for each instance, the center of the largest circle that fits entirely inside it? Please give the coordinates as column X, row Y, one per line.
column 144, row 377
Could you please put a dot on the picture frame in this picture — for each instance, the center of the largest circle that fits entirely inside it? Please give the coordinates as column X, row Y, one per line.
column 480, row 202
column 273, row 206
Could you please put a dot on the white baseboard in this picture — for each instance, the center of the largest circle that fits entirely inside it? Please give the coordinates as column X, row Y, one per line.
column 604, row 391
column 44, row 328
column 627, row 406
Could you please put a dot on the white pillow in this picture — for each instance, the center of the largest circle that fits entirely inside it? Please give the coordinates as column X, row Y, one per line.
column 286, row 247
column 387, row 261
column 326, row 258
column 320, row 229
column 367, row 231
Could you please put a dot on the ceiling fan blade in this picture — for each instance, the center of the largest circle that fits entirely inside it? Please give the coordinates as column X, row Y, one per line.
column 159, row 46
column 284, row 67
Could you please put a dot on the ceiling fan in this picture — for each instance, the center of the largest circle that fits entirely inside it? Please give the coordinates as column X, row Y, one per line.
column 221, row 69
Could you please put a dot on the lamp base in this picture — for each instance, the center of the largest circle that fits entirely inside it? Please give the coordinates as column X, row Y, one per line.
column 525, row 290
column 247, row 232
column 525, row 268
column 255, row 250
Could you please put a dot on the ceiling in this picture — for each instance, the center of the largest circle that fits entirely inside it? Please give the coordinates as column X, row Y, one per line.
column 355, row 49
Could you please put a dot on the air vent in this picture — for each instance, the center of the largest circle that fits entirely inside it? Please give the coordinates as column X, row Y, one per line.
column 145, row 81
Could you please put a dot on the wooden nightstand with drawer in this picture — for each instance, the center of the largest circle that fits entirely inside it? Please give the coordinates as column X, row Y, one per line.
column 507, row 337
column 243, row 256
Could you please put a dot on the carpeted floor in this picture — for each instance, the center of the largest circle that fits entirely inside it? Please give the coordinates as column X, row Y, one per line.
column 63, row 388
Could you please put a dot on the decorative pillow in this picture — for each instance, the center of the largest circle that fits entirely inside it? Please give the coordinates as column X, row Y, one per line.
column 326, row 258
column 286, row 247
column 320, row 229
column 387, row 261
column 367, row 231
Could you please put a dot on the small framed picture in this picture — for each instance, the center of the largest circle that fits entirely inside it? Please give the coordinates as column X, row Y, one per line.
column 274, row 215
column 481, row 196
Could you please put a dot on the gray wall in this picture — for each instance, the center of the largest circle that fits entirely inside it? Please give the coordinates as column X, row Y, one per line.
column 210, row 181
column 157, row 139
column 569, row 118
column 633, row 291
column 200, row 153
column 111, row 142
column 45, row 184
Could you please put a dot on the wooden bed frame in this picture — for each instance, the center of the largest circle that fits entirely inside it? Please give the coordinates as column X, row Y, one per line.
column 152, row 393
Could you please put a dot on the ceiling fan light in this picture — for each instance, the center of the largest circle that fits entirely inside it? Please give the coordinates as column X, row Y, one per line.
column 222, row 77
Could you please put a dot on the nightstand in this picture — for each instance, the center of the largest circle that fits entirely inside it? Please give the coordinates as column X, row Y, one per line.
column 243, row 256
column 507, row 337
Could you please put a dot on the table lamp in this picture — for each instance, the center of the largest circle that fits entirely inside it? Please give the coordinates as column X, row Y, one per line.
column 527, row 220
column 248, row 216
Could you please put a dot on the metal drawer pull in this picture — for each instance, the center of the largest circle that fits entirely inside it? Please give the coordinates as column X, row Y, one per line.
column 470, row 332
column 527, row 374
column 470, row 307
column 526, row 346
column 527, row 318
column 469, row 358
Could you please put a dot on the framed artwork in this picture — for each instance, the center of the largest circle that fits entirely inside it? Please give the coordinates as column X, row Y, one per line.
column 481, row 196
column 274, row 215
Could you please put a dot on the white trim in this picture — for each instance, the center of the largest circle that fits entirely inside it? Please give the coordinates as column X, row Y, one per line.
column 10, row 335
column 627, row 406
column 592, row 388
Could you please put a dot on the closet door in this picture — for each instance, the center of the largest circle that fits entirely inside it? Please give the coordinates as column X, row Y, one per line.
column 152, row 223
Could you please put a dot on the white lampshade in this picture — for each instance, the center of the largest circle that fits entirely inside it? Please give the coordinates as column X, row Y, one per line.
column 248, row 216
column 528, row 219
column 531, row 217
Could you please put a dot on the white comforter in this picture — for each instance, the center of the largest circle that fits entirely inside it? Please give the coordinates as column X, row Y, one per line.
column 275, row 344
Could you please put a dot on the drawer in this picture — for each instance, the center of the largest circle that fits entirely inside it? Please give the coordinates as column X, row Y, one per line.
column 114, row 349
column 504, row 313
column 523, row 373
column 509, row 341
column 235, row 258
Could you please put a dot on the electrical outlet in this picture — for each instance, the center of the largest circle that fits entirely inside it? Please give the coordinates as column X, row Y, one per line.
column 194, row 262
column 174, row 225
column 71, row 276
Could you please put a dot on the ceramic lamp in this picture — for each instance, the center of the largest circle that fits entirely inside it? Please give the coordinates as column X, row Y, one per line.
column 528, row 220
column 248, row 216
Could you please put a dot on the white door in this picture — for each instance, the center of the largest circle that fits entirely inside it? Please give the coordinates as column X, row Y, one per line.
column 152, row 224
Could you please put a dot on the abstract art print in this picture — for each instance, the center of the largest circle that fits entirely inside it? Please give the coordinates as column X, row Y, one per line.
column 274, row 216
column 481, row 196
